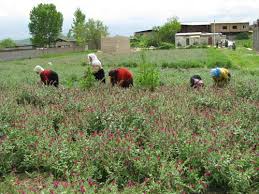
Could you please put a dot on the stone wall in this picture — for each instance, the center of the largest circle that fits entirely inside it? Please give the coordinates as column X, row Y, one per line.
column 34, row 53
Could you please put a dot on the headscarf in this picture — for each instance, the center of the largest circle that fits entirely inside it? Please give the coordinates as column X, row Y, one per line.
column 198, row 83
column 38, row 69
column 97, row 65
column 215, row 72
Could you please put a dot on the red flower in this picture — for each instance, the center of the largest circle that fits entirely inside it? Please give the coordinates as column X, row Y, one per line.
column 208, row 174
column 82, row 189
column 90, row 182
column 55, row 184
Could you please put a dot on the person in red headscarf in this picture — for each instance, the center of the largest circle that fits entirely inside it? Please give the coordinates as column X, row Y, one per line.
column 121, row 77
column 48, row 77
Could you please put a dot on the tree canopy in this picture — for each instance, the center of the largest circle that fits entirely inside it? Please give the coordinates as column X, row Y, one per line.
column 45, row 24
column 78, row 29
column 167, row 31
column 85, row 31
column 7, row 43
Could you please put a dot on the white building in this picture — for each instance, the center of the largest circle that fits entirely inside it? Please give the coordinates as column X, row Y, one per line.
column 197, row 38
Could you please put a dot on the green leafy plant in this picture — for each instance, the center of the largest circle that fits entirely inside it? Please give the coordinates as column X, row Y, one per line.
column 88, row 80
column 148, row 76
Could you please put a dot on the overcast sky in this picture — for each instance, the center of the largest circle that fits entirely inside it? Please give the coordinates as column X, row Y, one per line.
column 124, row 17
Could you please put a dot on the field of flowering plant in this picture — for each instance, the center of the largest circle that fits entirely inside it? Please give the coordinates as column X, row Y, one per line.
column 171, row 139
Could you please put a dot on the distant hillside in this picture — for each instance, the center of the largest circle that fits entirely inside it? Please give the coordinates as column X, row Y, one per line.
column 23, row 42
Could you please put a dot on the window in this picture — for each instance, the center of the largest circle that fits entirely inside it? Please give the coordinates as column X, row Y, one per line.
column 225, row 27
column 244, row 27
column 234, row 27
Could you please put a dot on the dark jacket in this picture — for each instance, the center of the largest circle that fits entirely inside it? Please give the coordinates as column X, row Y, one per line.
column 100, row 75
column 49, row 77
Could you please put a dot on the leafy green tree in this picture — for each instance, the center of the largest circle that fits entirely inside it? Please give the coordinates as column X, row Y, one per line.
column 45, row 24
column 166, row 33
column 69, row 34
column 78, row 29
column 7, row 43
column 243, row 36
column 95, row 29
column 162, row 37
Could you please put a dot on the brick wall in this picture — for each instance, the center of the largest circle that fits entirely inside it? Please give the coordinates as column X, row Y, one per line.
column 117, row 44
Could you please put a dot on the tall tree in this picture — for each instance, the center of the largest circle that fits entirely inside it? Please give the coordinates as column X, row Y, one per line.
column 69, row 34
column 78, row 27
column 167, row 32
column 45, row 24
column 95, row 29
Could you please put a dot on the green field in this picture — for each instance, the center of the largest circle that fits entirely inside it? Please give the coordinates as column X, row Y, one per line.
column 111, row 140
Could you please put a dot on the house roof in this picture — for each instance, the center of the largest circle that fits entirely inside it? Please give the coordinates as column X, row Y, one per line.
column 188, row 34
column 66, row 39
column 196, row 34
column 195, row 24
column 144, row 31
column 231, row 22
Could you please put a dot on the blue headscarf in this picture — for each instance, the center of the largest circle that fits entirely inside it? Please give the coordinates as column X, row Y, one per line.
column 215, row 72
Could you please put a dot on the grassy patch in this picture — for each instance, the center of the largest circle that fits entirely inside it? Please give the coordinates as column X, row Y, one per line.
column 243, row 59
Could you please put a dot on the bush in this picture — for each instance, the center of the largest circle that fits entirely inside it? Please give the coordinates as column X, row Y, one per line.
column 245, row 43
column 28, row 98
column 165, row 45
column 145, row 41
column 7, row 43
column 71, row 80
column 148, row 75
column 242, row 36
column 88, row 80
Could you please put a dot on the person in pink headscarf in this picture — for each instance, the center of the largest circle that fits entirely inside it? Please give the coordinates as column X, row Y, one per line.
column 196, row 81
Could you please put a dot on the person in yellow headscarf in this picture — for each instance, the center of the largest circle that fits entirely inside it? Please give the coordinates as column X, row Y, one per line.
column 220, row 75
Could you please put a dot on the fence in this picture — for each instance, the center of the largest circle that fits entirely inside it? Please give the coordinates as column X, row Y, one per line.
column 7, row 55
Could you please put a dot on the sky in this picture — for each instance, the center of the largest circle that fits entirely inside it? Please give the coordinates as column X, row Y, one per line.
column 124, row 17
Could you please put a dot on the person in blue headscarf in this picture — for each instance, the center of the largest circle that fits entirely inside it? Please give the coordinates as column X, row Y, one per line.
column 220, row 75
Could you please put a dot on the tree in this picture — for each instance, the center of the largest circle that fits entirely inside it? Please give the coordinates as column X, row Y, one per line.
column 78, row 29
column 95, row 29
column 69, row 34
column 7, row 43
column 242, row 36
column 45, row 24
column 167, row 32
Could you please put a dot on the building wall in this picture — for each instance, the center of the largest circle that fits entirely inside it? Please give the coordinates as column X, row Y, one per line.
column 34, row 53
column 181, row 41
column 256, row 38
column 64, row 44
column 117, row 44
column 229, row 27
column 195, row 28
